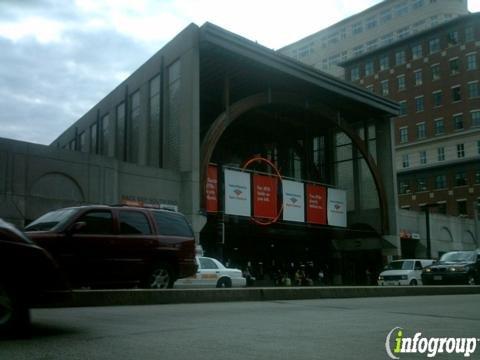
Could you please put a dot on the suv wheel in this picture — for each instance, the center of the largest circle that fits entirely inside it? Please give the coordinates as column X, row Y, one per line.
column 14, row 316
column 413, row 282
column 161, row 277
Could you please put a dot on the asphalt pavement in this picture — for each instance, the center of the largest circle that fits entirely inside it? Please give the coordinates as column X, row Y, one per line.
column 354, row 328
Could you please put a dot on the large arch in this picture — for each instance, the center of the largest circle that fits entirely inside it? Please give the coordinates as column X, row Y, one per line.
column 57, row 185
column 233, row 112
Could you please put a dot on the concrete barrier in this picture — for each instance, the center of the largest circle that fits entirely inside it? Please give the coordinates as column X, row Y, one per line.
column 82, row 298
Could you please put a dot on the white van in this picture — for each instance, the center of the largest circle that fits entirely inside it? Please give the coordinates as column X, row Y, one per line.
column 403, row 272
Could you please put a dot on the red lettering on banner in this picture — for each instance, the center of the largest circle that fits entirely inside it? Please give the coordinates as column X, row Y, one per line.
column 316, row 204
column 265, row 196
column 211, row 191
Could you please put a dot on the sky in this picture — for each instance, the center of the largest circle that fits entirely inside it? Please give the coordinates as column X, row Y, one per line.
column 58, row 58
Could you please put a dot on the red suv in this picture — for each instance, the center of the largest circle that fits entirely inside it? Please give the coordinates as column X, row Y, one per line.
column 115, row 246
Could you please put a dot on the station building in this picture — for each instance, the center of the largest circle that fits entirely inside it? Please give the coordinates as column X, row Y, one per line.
column 212, row 97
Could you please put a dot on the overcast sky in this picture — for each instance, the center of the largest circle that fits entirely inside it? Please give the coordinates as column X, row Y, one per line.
column 58, row 58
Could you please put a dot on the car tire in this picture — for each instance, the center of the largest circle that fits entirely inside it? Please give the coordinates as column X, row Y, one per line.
column 14, row 314
column 471, row 280
column 224, row 283
column 414, row 282
column 161, row 277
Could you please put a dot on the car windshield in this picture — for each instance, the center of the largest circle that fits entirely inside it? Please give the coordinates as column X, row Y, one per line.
column 400, row 265
column 50, row 220
column 458, row 256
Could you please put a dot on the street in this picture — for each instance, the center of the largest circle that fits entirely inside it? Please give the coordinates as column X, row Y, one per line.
column 304, row 329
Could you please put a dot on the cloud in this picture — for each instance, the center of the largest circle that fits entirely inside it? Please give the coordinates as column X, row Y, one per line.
column 58, row 58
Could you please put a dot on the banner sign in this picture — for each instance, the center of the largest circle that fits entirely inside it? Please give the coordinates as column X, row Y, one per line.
column 264, row 196
column 337, row 207
column 293, row 201
column 237, row 193
column 316, row 204
column 211, row 191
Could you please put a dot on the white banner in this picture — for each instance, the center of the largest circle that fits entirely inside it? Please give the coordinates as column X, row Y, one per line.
column 337, row 207
column 293, row 201
column 237, row 193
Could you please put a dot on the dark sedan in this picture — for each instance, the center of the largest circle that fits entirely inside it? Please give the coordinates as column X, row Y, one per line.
column 28, row 274
column 454, row 268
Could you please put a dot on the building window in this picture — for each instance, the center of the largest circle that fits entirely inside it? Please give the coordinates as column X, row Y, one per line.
column 82, row 138
column 421, row 184
column 417, row 77
column 401, row 82
column 105, row 135
column 403, row 135
column 475, row 117
column 456, row 93
column 460, row 178
column 404, row 187
column 435, row 72
column 134, row 127
column 462, row 207
column 417, row 51
column 441, row 154
column 369, row 68
column 405, row 161
column 437, row 98
column 384, row 62
column 469, row 34
column 357, row 28
column 355, row 74
column 440, row 182
column 454, row 66
column 452, row 38
column 419, row 104
column 458, row 122
column 417, row 4
column 434, row 45
column 400, row 57
column 402, row 108
column 371, row 23
column 121, row 132
column 439, row 126
column 71, row 145
column 384, row 87
column 460, row 151
column 401, row 9
column 473, row 89
column 154, row 126
column 472, row 62
column 423, row 157
column 386, row 16
column 421, row 131
column 93, row 139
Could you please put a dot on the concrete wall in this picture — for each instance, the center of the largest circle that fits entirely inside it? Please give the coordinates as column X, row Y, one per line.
column 446, row 232
column 35, row 179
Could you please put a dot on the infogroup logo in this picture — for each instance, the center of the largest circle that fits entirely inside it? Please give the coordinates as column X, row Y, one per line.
column 397, row 344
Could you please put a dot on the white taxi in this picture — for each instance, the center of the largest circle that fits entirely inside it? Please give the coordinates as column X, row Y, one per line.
column 212, row 273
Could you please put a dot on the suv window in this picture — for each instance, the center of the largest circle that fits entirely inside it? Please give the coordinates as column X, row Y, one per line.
column 207, row 264
column 172, row 224
column 418, row 265
column 134, row 223
column 97, row 222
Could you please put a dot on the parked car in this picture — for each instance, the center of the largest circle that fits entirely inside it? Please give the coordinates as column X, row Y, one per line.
column 212, row 273
column 27, row 275
column 403, row 272
column 116, row 246
column 454, row 268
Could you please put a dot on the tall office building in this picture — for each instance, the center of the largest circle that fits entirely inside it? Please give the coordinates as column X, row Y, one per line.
column 378, row 26
column 435, row 77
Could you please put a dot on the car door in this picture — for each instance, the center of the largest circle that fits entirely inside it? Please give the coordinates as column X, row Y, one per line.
column 208, row 274
column 90, row 245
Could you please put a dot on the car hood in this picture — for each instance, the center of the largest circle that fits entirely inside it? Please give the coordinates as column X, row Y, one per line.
column 394, row 272
column 447, row 264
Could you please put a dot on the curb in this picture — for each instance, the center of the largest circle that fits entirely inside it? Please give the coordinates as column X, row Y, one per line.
column 83, row 298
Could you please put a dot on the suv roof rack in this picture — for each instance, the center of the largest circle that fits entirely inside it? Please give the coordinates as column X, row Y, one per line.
column 173, row 208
